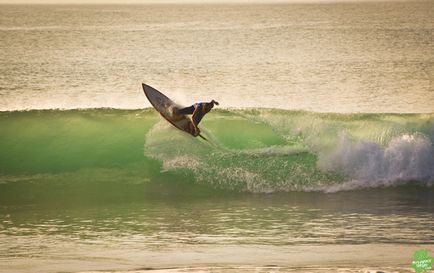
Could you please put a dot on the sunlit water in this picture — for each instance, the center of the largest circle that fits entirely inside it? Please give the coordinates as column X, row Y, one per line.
column 371, row 57
column 272, row 221
column 110, row 236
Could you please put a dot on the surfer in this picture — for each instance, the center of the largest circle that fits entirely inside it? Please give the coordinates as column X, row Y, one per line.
column 198, row 111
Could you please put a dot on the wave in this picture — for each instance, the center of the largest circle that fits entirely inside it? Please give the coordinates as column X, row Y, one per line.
column 249, row 150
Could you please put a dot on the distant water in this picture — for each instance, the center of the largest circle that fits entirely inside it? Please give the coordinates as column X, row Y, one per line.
column 370, row 57
column 279, row 187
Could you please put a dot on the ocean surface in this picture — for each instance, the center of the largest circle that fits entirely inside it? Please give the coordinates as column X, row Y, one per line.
column 320, row 157
column 362, row 57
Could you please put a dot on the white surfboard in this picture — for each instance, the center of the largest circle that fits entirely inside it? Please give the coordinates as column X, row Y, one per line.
column 166, row 108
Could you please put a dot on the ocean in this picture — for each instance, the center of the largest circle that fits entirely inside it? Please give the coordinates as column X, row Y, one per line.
column 320, row 157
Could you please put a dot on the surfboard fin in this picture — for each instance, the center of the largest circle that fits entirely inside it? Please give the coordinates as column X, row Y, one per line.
column 201, row 136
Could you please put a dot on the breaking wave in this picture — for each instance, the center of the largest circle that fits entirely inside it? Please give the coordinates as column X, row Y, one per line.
column 249, row 150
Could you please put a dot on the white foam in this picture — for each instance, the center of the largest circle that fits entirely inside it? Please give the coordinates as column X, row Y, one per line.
column 408, row 157
column 185, row 161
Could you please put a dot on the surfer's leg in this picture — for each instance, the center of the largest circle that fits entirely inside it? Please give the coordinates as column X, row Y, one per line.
column 185, row 111
column 197, row 119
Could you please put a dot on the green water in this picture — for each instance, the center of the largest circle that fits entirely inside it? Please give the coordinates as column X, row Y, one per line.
column 106, row 153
